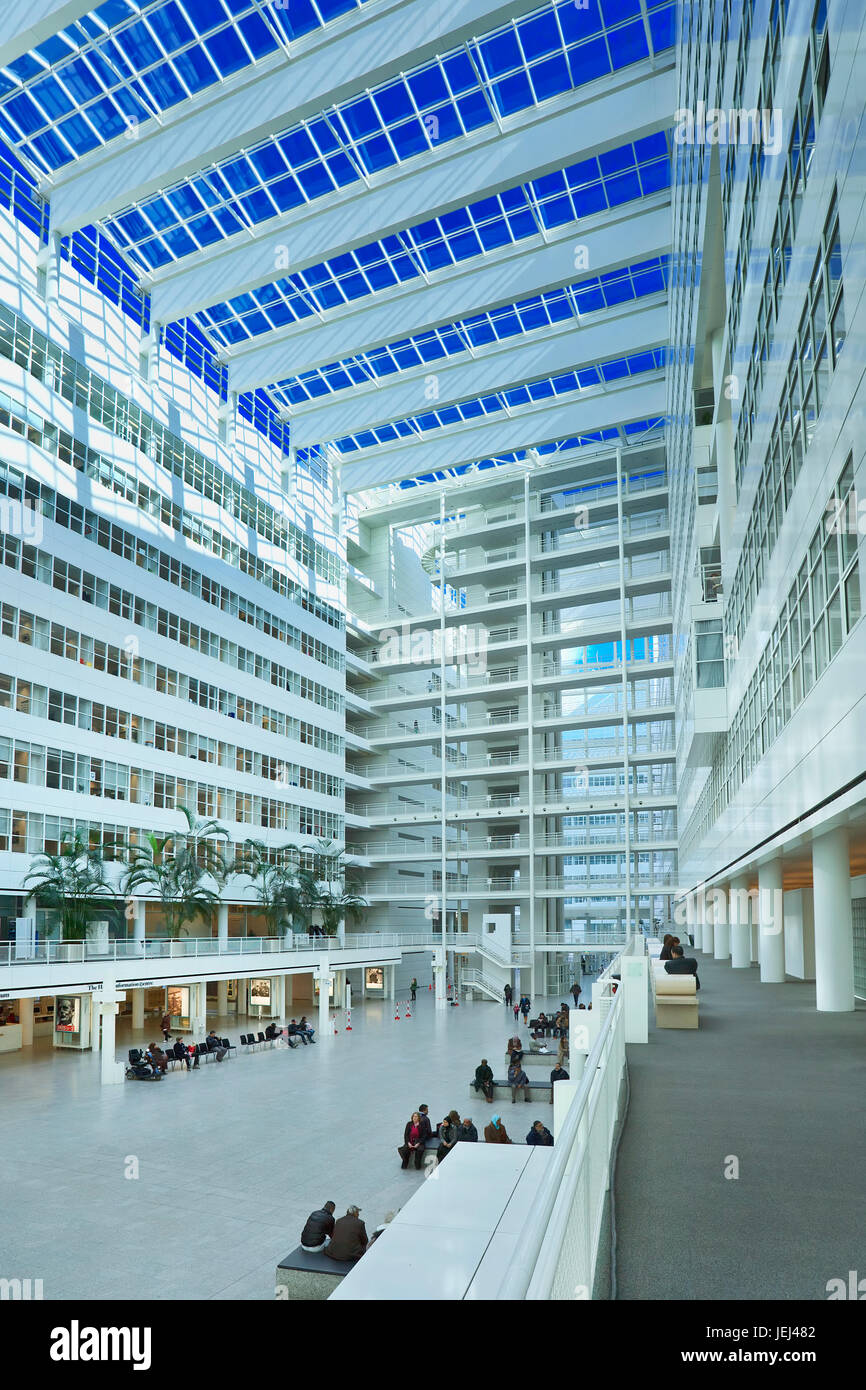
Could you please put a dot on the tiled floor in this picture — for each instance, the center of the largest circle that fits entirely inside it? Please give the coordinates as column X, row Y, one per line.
column 229, row 1159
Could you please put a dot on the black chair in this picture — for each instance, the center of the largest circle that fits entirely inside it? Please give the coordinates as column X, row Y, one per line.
column 261, row 1038
column 244, row 1039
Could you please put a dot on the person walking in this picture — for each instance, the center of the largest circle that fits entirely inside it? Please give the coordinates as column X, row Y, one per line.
column 413, row 988
column 166, row 1027
column 576, row 992
column 413, row 1142
column 494, row 1133
column 583, row 965
column 507, row 993
column 516, row 1011
column 525, row 1006
column 484, row 1080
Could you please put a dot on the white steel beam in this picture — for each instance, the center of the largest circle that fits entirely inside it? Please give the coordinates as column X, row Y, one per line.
column 26, row 23
column 611, row 240
column 358, row 51
column 509, row 364
column 490, row 436
column 428, row 185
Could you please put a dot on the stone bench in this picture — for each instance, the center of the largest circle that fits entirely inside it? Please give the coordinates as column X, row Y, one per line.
column 309, row 1276
column 539, row 1090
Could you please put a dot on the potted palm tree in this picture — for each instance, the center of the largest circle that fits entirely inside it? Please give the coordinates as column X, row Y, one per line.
column 275, row 884
column 179, row 870
column 71, row 883
column 331, row 889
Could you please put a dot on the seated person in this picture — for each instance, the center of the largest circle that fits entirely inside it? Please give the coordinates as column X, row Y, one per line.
column 541, row 1026
column 448, row 1135
column 349, row 1236
column 306, row 1032
column 157, row 1058
column 484, row 1080
column 540, row 1135
column 180, row 1052
column 518, row 1081
column 681, row 964
column 212, row 1041
column 467, row 1131
column 494, row 1133
column 513, row 1051
column 273, row 1031
column 319, row 1226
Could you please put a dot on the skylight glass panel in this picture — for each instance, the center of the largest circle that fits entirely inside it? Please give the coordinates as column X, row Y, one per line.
column 492, row 77
column 564, row 384
column 127, row 62
column 451, row 239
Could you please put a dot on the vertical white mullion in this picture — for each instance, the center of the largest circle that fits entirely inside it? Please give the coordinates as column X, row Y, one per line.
column 624, row 675
column 443, row 807
column 530, row 723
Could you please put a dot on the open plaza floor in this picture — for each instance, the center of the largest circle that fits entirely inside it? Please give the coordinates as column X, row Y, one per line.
column 196, row 1186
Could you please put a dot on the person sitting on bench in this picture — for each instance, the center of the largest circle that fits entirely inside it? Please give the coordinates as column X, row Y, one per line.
column 518, row 1081
column 180, row 1052
column 349, row 1236
column 158, row 1058
column 306, row 1032
column 318, row 1229
column 273, row 1031
column 681, row 964
column 484, row 1080
column 539, row 1134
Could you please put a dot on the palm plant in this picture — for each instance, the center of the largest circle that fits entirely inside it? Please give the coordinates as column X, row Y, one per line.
column 174, row 868
column 338, row 904
column 71, row 882
column 275, row 884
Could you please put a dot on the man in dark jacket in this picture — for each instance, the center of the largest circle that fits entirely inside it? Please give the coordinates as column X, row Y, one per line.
column 484, row 1080
column 467, row 1132
column 681, row 964
column 426, row 1122
column 540, row 1135
column 349, row 1236
column 558, row 1074
column 319, row 1228
column 518, row 1081
column 180, row 1052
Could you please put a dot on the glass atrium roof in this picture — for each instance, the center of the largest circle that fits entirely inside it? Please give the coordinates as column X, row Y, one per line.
column 634, row 170
column 552, row 51
column 540, row 311
column 128, row 61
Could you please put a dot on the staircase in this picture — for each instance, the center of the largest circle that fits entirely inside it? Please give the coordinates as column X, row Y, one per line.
column 475, row 979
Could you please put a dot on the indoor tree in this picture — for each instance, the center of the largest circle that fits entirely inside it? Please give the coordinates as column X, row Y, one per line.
column 276, row 885
column 175, row 869
column 334, row 904
column 71, row 882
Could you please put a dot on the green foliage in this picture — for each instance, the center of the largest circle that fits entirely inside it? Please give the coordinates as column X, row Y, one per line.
column 178, row 869
column 71, row 882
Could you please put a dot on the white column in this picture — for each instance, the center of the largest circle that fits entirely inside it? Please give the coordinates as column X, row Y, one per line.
column 112, row 1071
column 25, row 1018
column 739, row 917
column 198, row 1005
column 721, row 930
column 277, row 1009
column 324, row 978
column 771, row 916
column 392, row 982
column 705, row 917
column 222, row 997
column 439, row 979
column 139, row 923
column 288, row 992
column 339, row 989
column 222, row 928
column 834, row 929
column 138, row 1010
column 692, row 920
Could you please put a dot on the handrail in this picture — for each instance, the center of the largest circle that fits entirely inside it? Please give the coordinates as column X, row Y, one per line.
column 537, row 1248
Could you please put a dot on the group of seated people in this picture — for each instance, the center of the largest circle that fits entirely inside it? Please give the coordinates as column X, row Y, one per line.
column 675, row 959
column 495, row 1133
column 550, row 1025
column 185, row 1052
column 342, row 1239
column 294, row 1030
column 452, row 1131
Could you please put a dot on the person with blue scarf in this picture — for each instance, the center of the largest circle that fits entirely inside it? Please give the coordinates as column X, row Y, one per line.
column 494, row 1133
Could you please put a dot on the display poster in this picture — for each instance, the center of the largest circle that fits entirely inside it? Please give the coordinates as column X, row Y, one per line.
column 374, row 978
column 260, row 993
column 67, row 1013
column 177, row 1001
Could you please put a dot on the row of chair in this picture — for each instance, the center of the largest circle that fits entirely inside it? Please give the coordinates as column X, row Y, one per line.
column 253, row 1041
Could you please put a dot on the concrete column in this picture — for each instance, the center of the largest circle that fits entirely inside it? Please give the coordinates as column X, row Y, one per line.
column 139, row 923
column 222, row 928
column 222, row 997
column 198, row 1005
column 138, row 1010
column 324, row 978
column 112, row 1071
column 691, row 922
column 288, row 988
column 277, row 1009
column 25, row 1018
column 339, row 989
column 834, row 928
column 392, row 981
column 440, row 986
column 754, row 942
column 739, row 917
column 705, row 916
column 721, row 930
column 771, row 916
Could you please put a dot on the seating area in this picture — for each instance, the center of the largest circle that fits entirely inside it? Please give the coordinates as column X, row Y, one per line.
column 306, row 1275
column 502, row 1089
column 674, row 997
